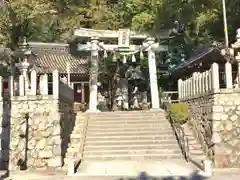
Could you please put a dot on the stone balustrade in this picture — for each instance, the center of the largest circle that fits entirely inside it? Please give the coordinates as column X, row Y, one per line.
column 199, row 84
column 60, row 89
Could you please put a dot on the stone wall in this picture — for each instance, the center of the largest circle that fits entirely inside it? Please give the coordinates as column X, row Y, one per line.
column 36, row 129
column 216, row 120
column 39, row 141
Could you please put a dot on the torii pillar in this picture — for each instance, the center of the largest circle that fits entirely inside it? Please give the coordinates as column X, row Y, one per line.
column 93, row 80
column 153, row 74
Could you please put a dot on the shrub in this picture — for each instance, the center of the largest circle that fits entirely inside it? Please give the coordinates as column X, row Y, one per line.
column 178, row 113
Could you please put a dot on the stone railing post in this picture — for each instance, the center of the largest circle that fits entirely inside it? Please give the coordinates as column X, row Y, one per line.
column 190, row 87
column 200, row 84
column 194, row 84
column 228, row 72
column 44, row 84
column 180, row 89
column 55, row 84
column 210, row 86
column 197, row 83
column 215, row 76
column 21, row 85
column 1, row 87
column 184, row 89
column 10, row 86
column 33, row 82
column 206, row 81
column 203, row 82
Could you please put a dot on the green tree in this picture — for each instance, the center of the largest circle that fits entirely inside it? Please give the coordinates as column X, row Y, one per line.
column 19, row 18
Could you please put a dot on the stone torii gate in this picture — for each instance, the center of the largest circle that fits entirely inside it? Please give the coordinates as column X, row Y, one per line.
column 123, row 48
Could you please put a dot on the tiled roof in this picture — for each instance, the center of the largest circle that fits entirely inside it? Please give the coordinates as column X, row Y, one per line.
column 52, row 56
column 47, row 63
column 43, row 48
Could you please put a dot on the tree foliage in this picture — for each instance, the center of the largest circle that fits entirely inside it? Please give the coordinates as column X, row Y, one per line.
column 54, row 20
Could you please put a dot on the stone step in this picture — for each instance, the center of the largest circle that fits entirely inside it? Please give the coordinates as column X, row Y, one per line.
column 126, row 128
column 128, row 169
column 117, row 137
column 126, row 125
column 130, row 118
column 130, row 152
column 131, row 140
column 76, row 136
column 168, row 156
column 128, row 142
column 112, row 132
column 128, row 121
column 125, row 113
column 132, row 146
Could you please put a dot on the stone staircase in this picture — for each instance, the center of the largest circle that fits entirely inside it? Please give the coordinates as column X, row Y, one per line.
column 126, row 143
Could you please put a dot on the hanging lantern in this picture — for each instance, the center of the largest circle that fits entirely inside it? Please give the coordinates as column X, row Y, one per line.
column 141, row 55
column 105, row 55
column 114, row 57
column 124, row 59
column 133, row 58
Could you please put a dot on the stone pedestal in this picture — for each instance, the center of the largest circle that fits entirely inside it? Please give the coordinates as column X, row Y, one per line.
column 228, row 72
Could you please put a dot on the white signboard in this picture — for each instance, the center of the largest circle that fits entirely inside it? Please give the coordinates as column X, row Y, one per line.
column 123, row 38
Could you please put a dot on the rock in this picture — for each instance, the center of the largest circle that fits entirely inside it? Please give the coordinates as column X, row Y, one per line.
column 233, row 142
column 57, row 151
column 224, row 117
column 45, row 154
column 57, row 140
column 228, row 125
column 55, row 162
column 34, row 153
column 56, row 131
column 234, row 117
column 216, row 138
column 31, row 144
column 42, row 126
column 216, row 116
column 217, row 109
column 48, row 132
column 21, row 145
column 39, row 163
column 41, row 144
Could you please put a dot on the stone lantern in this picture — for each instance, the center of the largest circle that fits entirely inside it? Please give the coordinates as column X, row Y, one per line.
column 23, row 54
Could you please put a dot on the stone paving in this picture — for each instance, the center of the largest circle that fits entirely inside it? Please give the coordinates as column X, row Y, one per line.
column 37, row 176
